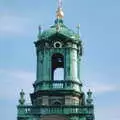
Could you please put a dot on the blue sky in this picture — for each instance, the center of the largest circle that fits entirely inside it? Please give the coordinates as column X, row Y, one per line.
column 100, row 65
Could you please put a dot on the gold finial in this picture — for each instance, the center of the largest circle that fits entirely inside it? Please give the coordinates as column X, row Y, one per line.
column 59, row 12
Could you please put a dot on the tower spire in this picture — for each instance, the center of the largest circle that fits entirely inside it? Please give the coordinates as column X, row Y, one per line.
column 59, row 12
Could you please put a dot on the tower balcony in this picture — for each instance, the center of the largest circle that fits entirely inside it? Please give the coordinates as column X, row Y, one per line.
column 49, row 110
column 57, row 85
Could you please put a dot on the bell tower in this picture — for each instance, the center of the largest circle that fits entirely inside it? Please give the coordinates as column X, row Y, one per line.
column 57, row 89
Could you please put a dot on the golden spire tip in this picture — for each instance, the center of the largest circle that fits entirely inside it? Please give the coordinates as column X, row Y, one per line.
column 59, row 12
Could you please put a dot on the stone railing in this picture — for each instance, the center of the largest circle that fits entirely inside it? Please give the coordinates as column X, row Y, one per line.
column 61, row 84
column 41, row 110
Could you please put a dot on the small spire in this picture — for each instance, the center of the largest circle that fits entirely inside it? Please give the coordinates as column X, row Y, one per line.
column 40, row 29
column 78, row 29
column 59, row 12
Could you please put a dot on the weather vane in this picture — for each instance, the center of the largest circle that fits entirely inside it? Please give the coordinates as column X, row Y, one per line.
column 59, row 3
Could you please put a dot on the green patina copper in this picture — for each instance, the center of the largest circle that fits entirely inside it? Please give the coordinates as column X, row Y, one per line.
column 60, row 28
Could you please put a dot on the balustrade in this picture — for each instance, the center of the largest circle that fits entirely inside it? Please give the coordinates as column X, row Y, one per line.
column 61, row 84
column 26, row 110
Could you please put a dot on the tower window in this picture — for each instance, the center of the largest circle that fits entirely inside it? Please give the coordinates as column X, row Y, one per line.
column 57, row 67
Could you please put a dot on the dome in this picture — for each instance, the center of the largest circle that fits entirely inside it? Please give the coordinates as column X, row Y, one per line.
column 58, row 28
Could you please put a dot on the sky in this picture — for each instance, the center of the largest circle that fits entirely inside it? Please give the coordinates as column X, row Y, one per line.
column 100, row 33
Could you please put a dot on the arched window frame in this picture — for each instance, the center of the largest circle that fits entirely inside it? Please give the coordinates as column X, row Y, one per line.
column 57, row 62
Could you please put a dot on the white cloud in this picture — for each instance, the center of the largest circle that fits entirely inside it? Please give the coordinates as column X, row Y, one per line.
column 12, row 81
column 13, row 25
column 99, row 83
column 108, row 113
column 23, row 75
column 98, row 87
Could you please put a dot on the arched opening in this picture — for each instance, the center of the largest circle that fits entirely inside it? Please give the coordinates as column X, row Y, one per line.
column 57, row 67
column 56, row 103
